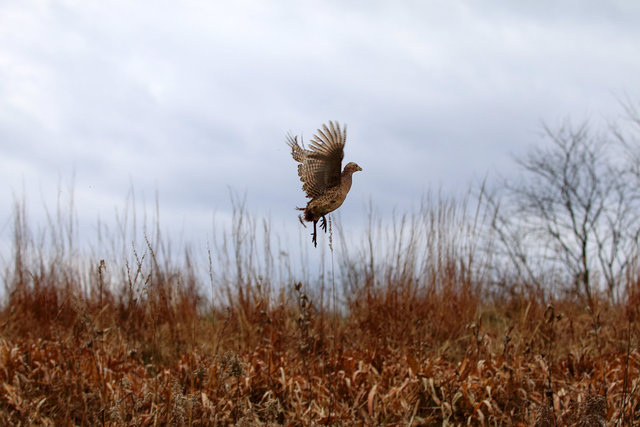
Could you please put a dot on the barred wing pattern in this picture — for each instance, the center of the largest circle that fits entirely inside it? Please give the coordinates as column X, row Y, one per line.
column 321, row 165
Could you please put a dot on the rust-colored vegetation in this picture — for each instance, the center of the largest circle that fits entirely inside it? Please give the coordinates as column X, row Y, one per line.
column 409, row 327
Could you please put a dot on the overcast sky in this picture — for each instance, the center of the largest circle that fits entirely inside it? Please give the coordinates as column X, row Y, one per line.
column 192, row 98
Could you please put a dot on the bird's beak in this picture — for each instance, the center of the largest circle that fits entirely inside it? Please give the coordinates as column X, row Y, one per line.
column 359, row 168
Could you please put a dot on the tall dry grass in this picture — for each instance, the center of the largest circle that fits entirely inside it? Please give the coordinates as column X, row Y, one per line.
column 397, row 324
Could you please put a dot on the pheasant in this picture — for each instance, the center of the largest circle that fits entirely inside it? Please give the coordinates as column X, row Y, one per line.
column 319, row 171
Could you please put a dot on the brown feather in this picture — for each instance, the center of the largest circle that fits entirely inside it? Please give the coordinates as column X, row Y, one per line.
column 321, row 164
column 320, row 172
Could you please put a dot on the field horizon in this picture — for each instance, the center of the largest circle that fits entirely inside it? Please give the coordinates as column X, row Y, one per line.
column 416, row 323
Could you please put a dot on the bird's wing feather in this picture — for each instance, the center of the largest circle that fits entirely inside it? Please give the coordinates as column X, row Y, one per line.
column 321, row 164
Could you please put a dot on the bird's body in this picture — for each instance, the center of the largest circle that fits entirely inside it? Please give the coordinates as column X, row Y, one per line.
column 319, row 171
column 331, row 200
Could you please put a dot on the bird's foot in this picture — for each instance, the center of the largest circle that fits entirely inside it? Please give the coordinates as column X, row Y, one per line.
column 323, row 223
column 314, row 235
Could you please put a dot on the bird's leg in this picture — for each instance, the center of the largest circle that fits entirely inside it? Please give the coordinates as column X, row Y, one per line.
column 314, row 238
column 323, row 223
column 302, row 221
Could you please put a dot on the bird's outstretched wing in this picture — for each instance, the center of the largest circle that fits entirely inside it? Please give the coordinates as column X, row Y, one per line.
column 320, row 165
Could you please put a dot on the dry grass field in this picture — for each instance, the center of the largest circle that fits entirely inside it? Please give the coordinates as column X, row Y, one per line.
column 415, row 334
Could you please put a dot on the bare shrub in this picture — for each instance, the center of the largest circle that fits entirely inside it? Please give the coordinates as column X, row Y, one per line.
column 571, row 219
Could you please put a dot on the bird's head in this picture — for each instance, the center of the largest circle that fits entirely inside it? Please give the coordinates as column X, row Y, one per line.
column 352, row 167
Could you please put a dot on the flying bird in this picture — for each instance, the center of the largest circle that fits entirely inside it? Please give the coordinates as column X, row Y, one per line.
column 320, row 171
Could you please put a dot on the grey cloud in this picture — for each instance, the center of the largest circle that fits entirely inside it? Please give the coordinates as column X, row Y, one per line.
column 191, row 100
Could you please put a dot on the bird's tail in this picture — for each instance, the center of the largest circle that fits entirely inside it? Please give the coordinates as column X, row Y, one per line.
column 307, row 214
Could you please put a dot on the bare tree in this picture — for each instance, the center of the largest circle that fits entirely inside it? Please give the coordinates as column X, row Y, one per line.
column 571, row 212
